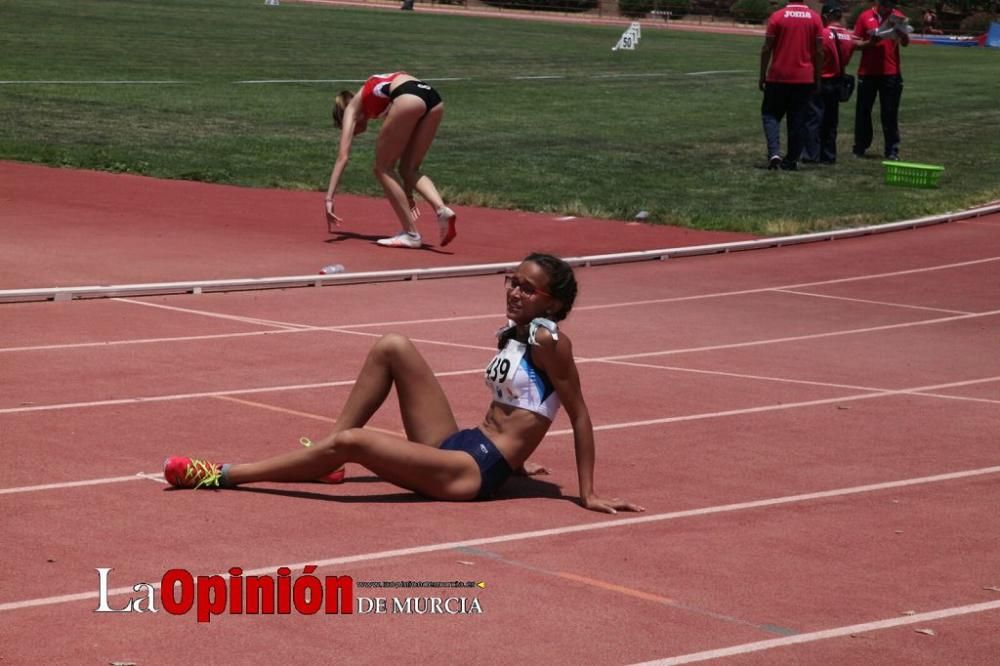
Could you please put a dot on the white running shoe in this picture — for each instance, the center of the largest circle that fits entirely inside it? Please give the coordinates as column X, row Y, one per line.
column 402, row 239
column 446, row 224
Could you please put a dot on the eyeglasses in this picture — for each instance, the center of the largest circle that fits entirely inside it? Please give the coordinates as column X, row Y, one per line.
column 526, row 288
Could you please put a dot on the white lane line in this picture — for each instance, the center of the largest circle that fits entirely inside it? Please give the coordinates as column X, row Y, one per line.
column 799, row 285
column 812, row 636
column 809, row 336
column 956, row 397
column 203, row 394
column 615, row 522
column 804, row 382
column 143, row 341
column 871, row 393
column 870, row 302
column 73, row 484
column 626, row 357
column 292, row 327
column 153, row 477
column 620, row 357
column 255, row 321
column 741, row 375
column 879, row 393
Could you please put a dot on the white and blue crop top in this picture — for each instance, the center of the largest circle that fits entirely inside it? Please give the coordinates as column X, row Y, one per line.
column 514, row 380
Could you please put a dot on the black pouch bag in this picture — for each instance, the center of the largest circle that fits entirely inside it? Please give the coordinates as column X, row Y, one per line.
column 845, row 86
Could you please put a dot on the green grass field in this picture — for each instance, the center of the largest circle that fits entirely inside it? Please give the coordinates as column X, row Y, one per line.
column 232, row 91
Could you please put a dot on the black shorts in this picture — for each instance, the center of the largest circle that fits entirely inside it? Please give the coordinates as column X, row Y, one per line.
column 420, row 89
column 493, row 467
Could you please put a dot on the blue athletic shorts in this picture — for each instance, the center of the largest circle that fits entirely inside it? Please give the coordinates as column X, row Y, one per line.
column 493, row 468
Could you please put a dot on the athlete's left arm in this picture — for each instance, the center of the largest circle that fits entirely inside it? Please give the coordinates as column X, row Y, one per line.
column 555, row 357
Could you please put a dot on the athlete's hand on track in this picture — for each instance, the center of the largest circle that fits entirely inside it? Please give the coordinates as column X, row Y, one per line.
column 331, row 217
column 532, row 469
column 614, row 505
column 414, row 209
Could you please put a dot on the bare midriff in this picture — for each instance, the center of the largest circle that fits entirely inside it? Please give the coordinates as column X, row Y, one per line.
column 514, row 431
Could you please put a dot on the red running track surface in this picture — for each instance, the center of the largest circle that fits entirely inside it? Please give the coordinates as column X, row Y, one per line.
column 812, row 429
column 67, row 228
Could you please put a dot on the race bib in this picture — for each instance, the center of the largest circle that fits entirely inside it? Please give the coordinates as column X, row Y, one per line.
column 500, row 371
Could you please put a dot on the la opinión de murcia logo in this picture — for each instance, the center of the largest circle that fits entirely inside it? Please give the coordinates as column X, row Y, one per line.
column 307, row 594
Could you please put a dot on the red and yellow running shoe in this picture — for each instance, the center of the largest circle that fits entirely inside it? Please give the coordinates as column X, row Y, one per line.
column 192, row 473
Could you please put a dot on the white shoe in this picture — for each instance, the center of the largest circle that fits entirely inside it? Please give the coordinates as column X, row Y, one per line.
column 402, row 239
column 446, row 224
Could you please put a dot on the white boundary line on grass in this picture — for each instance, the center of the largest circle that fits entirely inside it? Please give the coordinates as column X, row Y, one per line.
column 435, row 79
column 550, row 532
column 237, row 284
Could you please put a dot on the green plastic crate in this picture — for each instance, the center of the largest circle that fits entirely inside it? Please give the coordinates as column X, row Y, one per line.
column 909, row 174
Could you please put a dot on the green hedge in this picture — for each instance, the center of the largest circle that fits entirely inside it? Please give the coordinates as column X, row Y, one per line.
column 640, row 8
column 751, row 10
column 546, row 5
column 635, row 8
column 978, row 23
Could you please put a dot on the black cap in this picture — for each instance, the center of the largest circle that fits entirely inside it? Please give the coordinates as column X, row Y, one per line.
column 832, row 8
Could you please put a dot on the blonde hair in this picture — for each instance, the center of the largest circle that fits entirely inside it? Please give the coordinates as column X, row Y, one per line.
column 339, row 104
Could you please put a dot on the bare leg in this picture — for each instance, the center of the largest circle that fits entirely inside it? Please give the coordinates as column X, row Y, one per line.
column 399, row 125
column 426, row 414
column 414, row 154
column 450, row 475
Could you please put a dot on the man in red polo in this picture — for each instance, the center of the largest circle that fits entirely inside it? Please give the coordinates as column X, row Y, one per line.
column 884, row 29
column 823, row 115
column 790, row 64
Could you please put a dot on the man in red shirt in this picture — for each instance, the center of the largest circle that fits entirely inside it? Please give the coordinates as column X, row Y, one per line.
column 879, row 75
column 790, row 64
column 823, row 114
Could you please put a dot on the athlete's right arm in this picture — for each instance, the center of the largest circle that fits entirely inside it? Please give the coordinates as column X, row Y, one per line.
column 354, row 122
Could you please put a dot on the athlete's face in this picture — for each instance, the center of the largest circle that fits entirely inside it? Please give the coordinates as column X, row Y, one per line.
column 528, row 293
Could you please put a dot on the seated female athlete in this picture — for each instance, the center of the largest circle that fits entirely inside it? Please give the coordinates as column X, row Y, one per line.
column 530, row 376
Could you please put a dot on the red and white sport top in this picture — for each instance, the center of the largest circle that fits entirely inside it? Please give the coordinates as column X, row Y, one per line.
column 375, row 94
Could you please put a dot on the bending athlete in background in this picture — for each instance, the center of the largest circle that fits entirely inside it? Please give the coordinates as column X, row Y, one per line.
column 411, row 112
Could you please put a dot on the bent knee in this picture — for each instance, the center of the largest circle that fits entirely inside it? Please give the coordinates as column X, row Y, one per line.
column 393, row 343
column 410, row 174
column 348, row 442
column 384, row 170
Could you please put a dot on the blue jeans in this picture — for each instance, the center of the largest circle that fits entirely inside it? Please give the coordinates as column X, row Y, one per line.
column 889, row 90
column 822, row 119
column 781, row 99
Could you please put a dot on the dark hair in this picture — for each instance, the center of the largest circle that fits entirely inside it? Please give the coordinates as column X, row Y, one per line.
column 562, row 286
column 562, row 282
column 339, row 104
